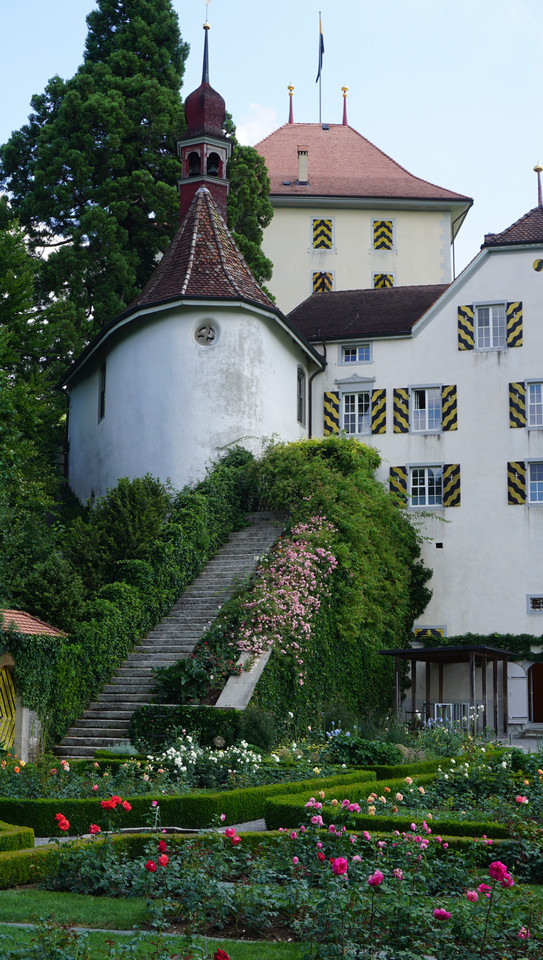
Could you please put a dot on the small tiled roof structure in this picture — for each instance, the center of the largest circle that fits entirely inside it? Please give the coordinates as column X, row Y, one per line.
column 529, row 229
column 342, row 163
column 381, row 312
column 25, row 623
column 202, row 261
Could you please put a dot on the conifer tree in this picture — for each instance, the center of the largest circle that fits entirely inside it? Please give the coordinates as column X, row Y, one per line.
column 92, row 175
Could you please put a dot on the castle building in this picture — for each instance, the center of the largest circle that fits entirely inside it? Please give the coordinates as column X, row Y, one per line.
column 347, row 216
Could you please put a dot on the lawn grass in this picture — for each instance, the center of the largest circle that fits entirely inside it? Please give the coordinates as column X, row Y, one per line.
column 75, row 909
column 16, row 938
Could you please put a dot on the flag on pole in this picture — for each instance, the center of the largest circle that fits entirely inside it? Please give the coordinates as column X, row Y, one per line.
column 321, row 48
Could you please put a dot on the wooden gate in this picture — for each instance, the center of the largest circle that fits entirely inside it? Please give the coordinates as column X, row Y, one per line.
column 7, row 708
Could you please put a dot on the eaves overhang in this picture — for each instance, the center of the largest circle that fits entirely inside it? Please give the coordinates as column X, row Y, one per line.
column 131, row 316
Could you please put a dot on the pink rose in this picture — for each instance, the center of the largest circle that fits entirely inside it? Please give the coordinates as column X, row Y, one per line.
column 497, row 870
column 295, row 860
column 441, row 914
column 376, row 879
column 339, row 866
column 472, row 896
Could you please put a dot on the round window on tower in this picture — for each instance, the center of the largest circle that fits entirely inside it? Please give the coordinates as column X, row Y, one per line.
column 206, row 334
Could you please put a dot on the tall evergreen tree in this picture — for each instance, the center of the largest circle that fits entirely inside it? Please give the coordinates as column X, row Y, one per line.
column 92, row 174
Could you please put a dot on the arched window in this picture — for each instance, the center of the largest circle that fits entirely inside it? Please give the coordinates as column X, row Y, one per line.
column 195, row 167
column 300, row 396
column 213, row 165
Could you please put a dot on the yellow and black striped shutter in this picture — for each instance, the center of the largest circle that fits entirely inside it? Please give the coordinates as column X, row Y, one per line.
column 514, row 324
column 429, row 633
column 322, row 234
column 451, row 485
column 517, row 405
column 382, row 235
column 378, row 411
column 400, row 409
column 383, row 280
column 465, row 328
column 449, row 407
column 331, row 412
column 516, row 482
column 7, row 709
column 398, row 482
column 322, row 282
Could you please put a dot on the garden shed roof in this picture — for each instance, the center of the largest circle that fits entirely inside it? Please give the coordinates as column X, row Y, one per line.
column 27, row 624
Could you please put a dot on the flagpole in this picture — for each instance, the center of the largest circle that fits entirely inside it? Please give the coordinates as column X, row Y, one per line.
column 319, row 74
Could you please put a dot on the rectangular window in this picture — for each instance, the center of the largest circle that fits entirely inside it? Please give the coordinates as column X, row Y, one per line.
column 300, row 396
column 426, row 486
column 383, row 280
column 322, row 282
column 102, row 392
column 535, row 483
column 426, row 409
column 535, row 404
column 534, row 604
column 383, row 234
column 357, row 412
column 491, row 327
column 356, row 354
column 322, row 234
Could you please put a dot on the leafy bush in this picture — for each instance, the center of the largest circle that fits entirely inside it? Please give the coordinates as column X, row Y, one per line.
column 356, row 752
column 188, row 681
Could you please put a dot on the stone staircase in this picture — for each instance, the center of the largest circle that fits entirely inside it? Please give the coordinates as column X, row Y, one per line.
column 106, row 720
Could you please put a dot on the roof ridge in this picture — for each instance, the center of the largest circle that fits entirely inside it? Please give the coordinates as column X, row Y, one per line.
column 196, row 202
column 216, row 221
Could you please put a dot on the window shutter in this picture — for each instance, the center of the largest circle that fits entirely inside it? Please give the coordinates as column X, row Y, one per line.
column 401, row 410
column 451, row 485
column 516, row 482
column 382, row 235
column 331, row 412
column 378, row 411
column 383, row 280
column 398, row 482
column 322, row 234
column 517, row 405
column 465, row 328
column 429, row 633
column 449, row 412
column 322, row 282
column 514, row 324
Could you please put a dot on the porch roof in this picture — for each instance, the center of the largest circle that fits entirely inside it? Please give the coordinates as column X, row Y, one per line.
column 450, row 654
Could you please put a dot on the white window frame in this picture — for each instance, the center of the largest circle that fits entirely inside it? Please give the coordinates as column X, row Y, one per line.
column 537, row 422
column 414, row 419
column 534, row 484
column 537, row 609
column 353, row 398
column 495, row 341
column 366, row 346
column 431, row 500
column 321, row 250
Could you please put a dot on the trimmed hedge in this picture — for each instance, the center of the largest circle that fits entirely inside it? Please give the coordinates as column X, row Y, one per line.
column 161, row 724
column 193, row 811
column 15, row 838
column 288, row 812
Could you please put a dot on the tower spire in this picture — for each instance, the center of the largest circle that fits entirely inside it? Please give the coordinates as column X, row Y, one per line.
column 290, row 89
column 538, row 169
column 205, row 67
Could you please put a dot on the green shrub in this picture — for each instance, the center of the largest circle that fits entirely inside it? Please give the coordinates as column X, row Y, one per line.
column 156, row 727
column 356, row 752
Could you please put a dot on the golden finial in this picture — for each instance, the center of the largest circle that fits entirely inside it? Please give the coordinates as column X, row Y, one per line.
column 344, row 91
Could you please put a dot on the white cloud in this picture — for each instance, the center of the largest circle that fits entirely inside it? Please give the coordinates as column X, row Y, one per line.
column 257, row 124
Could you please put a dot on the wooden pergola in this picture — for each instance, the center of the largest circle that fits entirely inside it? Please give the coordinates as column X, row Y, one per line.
column 447, row 656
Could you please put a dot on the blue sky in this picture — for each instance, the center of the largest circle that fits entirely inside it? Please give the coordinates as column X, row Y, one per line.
column 450, row 90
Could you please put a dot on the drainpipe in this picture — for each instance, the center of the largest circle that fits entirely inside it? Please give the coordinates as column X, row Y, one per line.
column 310, row 392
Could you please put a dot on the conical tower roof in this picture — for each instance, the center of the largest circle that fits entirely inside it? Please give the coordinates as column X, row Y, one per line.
column 202, row 261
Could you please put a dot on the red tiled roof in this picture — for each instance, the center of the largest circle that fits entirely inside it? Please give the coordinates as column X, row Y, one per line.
column 382, row 312
column 28, row 625
column 201, row 261
column 342, row 163
column 529, row 229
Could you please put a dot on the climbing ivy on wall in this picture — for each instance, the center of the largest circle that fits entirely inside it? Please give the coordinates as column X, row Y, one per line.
column 377, row 588
column 523, row 644
column 112, row 602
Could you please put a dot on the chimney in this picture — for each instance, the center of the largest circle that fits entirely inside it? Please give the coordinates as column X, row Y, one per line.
column 303, row 165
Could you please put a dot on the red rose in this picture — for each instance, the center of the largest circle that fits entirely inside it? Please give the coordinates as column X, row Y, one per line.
column 94, row 828
column 220, row 955
column 321, row 855
column 163, row 860
column 126, row 806
column 63, row 824
column 150, row 866
column 162, row 847
column 236, row 840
